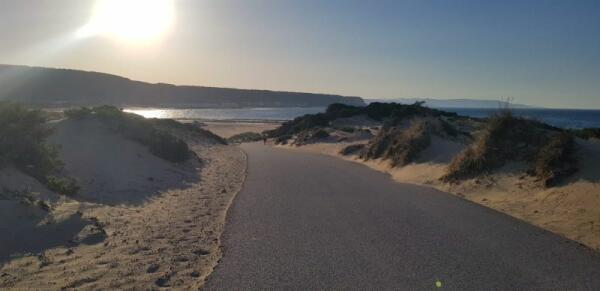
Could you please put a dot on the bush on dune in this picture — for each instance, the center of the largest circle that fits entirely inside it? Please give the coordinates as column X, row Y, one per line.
column 402, row 146
column 299, row 124
column 310, row 136
column 406, row 146
column 245, row 137
column 556, row 160
column 508, row 138
column 23, row 144
column 587, row 133
column 62, row 185
column 352, row 149
column 77, row 113
column 393, row 113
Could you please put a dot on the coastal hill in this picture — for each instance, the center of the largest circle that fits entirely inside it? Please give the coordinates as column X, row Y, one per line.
column 63, row 87
column 454, row 103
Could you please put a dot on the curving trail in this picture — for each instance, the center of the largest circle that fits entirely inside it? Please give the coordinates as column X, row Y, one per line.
column 313, row 222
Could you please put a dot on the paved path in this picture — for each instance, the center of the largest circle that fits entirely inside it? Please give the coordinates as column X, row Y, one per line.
column 312, row 222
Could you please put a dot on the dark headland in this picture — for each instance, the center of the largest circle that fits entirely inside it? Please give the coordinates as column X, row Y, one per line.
column 65, row 88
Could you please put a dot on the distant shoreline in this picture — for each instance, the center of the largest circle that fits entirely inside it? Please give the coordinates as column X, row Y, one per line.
column 233, row 121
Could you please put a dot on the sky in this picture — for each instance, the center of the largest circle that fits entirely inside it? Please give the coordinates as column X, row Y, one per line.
column 544, row 53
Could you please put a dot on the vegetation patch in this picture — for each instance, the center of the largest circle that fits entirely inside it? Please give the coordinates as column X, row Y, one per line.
column 556, row 159
column 402, row 145
column 310, row 136
column 23, row 144
column 62, row 185
column 245, row 137
column 352, row 149
column 509, row 138
column 392, row 113
column 587, row 133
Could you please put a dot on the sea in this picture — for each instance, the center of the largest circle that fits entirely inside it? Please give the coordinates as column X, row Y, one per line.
column 565, row 118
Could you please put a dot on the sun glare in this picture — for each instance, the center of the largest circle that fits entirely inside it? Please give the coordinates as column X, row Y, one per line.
column 130, row 20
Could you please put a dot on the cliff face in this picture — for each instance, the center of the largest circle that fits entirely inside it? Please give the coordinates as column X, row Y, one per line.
column 60, row 87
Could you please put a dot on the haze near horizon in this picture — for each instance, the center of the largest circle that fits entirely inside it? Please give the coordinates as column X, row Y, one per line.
column 542, row 53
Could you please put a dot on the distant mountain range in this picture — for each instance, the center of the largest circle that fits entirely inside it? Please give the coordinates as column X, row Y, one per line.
column 62, row 87
column 453, row 103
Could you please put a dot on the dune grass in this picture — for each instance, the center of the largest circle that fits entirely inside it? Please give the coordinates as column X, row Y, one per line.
column 245, row 137
column 402, row 145
column 556, row 159
column 352, row 149
column 507, row 138
column 23, row 144
column 587, row 133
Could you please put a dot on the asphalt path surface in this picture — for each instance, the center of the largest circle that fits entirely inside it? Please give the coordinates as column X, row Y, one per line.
column 312, row 222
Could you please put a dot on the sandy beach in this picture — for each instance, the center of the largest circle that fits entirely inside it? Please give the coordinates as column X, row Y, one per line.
column 227, row 129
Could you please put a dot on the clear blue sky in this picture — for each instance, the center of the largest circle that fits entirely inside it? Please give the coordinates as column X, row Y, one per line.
column 543, row 53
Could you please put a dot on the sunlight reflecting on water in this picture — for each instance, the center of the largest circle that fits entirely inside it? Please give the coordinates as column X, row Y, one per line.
column 226, row 113
column 150, row 113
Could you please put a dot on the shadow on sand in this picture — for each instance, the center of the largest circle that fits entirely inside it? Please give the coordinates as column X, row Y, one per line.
column 33, row 234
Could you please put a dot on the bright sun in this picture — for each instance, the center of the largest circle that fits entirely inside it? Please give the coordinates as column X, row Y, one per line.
column 130, row 20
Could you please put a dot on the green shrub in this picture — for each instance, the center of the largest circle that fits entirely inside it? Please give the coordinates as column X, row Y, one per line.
column 23, row 144
column 284, row 139
column 352, row 149
column 310, row 136
column 62, row 185
column 587, row 133
column 23, row 141
column 348, row 129
column 299, row 124
column 393, row 113
column 245, row 137
column 78, row 113
column 342, row 110
column 320, row 134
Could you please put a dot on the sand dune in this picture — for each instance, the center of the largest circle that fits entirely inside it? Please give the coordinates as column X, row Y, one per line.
column 138, row 220
column 113, row 170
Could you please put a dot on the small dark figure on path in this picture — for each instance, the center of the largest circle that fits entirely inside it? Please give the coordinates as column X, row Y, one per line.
column 264, row 139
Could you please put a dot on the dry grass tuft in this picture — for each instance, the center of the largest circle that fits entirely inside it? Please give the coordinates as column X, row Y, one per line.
column 556, row 160
column 403, row 145
column 508, row 138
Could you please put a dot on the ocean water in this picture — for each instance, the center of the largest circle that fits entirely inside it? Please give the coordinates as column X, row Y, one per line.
column 567, row 118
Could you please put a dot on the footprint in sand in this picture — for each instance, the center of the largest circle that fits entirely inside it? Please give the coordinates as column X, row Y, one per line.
column 153, row 268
